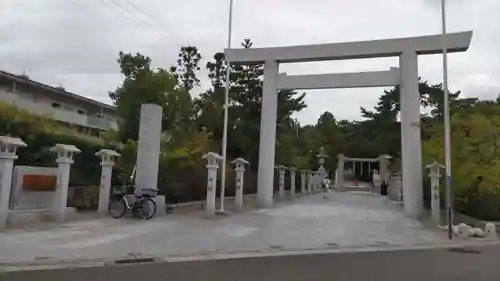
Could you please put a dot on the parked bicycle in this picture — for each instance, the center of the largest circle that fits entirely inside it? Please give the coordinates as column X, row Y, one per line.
column 142, row 205
column 140, row 202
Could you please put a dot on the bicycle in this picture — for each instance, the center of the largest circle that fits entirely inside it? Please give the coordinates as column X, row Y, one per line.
column 143, row 206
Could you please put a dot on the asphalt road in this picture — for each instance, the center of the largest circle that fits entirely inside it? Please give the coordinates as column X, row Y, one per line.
column 478, row 263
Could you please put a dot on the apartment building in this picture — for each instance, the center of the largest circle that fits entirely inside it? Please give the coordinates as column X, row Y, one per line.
column 87, row 115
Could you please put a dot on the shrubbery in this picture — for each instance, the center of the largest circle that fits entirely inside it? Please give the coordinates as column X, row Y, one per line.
column 40, row 134
column 475, row 162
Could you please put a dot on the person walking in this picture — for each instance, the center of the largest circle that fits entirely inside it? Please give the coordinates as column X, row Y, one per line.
column 326, row 185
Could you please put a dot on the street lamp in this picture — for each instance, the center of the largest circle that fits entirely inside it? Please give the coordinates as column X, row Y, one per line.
column 226, row 110
column 447, row 149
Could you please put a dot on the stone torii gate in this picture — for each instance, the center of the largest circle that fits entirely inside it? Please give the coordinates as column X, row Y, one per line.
column 407, row 49
column 382, row 160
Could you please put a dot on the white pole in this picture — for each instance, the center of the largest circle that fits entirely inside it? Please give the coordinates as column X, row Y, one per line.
column 226, row 109
column 447, row 148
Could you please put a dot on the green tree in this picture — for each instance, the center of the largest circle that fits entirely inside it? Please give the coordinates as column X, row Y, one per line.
column 187, row 66
column 143, row 85
column 209, row 106
column 246, row 100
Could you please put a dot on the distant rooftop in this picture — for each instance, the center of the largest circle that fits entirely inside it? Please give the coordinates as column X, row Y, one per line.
column 59, row 90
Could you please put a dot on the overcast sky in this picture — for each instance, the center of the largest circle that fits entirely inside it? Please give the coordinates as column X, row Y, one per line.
column 76, row 42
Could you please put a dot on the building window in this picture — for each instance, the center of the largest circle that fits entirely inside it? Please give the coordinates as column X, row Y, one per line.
column 82, row 112
column 56, row 105
column 99, row 115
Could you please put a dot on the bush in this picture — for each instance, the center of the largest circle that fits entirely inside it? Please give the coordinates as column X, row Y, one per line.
column 40, row 134
column 182, row 173
column 475, row 163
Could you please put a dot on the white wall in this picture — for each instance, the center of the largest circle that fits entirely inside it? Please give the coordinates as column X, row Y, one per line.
column 66, row 112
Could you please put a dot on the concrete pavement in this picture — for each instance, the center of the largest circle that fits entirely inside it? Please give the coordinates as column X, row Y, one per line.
column 344, row 221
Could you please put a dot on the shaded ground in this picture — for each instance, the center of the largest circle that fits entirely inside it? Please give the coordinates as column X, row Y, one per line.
column 346, row 220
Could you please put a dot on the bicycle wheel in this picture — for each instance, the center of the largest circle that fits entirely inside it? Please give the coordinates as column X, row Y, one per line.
column 146, row 209
column 117, row 208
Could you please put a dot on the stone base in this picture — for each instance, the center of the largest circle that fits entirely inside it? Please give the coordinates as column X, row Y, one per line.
column 355, row 188
column 20, row 217
column 161, row 206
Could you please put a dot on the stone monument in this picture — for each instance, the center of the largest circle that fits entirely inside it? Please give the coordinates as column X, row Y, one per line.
column 148, row 153
column 148, row 150
column 33, row 188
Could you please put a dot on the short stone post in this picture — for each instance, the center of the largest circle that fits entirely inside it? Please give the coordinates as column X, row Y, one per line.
column 303, row 181
column 292, row 181
column 107, row 163
column 239, row 168
column 340, row 172
column 281, row 190
column 64, row 160
column 8, row 148
column 435, row 175
column 212, row 166
column 309, row 181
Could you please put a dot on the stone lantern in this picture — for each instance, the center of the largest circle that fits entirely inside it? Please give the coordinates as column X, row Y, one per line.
column 281, row 182
column 8, row 149
column 293, row 171
column 213, row 160
column 65, row 154
column 107, row 162
column 321, row 161
column 435, row 175
column 303, row 179
column 239, row 168
column 310, row 178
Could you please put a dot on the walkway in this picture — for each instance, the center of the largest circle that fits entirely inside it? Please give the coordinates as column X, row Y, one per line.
column 346, row 220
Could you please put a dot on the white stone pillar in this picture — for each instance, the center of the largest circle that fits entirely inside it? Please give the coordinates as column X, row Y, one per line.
column 410, row 135
column 239, row 168
column 303, row 181
column 309, row 181
column 267, row 135
column 65, row 153
column 8, row 148
column 212, row 166
column 107, row 163
column 340, row 173
column 435, row 175
column 148, row 149
column 281, row 182
column 292, row 181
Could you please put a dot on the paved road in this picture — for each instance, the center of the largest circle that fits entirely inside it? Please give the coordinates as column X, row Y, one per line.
column 478, row 263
